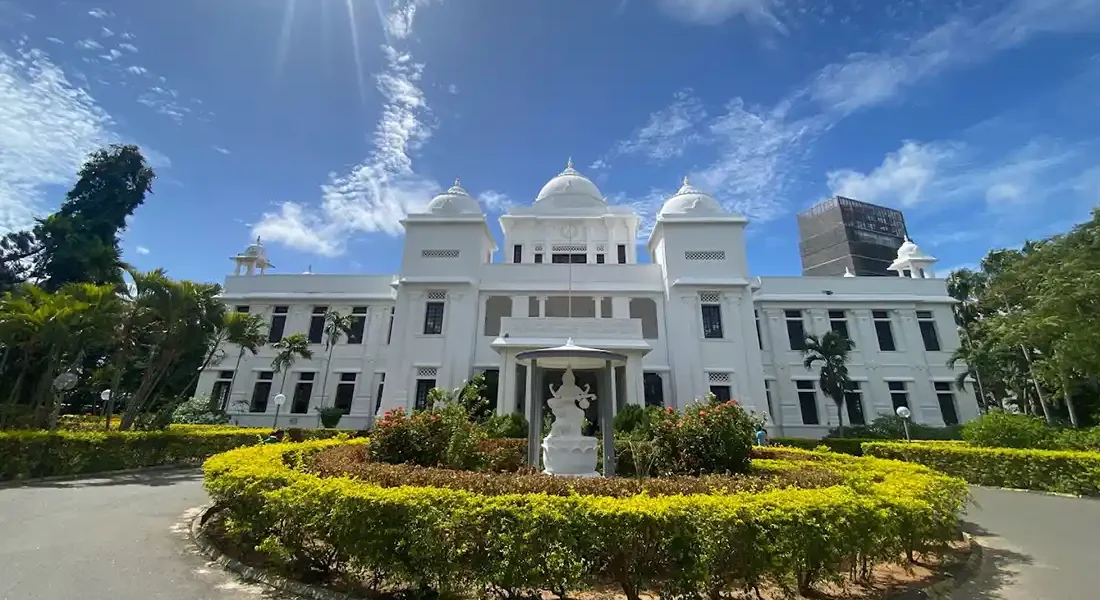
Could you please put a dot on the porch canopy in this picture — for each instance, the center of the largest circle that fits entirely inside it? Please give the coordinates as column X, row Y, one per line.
column 579, row 358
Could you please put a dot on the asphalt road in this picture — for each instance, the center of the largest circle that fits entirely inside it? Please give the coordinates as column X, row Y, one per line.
column 123, row 538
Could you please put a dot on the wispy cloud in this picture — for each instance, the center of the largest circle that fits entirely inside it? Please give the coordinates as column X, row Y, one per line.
column 141, row 250
column 99, row 13
column 136, row 70
column 376, row 194
column 47, row 126
column 89, row 44
column 452, row 89
column 128, row 47
column 494, row 201
column 716, row 12
column 901, row 180
column 668, row 132
column 221, row 150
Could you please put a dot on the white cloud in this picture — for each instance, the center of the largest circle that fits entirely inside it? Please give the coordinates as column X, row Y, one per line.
column 376, row 194
column 901, row 179
column 55, row 40
column 141, row 250
column 89, row 44
column 865, row 80
column 47, row 127
column 128, row 36
column 221, row 150
column 452, row 89
column 136, row 70
column 716, row 12
column 669, row 131
column 99, row 13
column 494, row 201
column 106, row 32
column 128, row 47
column 111, row 55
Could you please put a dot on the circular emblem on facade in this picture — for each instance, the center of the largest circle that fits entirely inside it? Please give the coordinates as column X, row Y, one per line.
column 568, row 231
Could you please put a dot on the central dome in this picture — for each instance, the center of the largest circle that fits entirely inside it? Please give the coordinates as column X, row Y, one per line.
column 570, row 189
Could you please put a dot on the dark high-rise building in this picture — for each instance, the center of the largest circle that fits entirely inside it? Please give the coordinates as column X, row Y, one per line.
column 842, row 233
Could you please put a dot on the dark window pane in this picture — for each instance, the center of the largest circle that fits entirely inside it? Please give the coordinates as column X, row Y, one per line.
column 899, row 399
column 654, row 389
column 347, row 376
column 559, row 259
column 578, row 259
column 267, row 375
column 622, row 254
column 275, row 332
column 220, row 394
column 947, row 409
column 599, row 259
column 796, row 332
column 807, row 403
column 721, row 392
column 378, row 396
column 538, row 258
column 854, row 403
column 433, row 318
column 837, row 315
column 259, row 396
column 924, row 314
column 712, row 321
column 358, row 325
column 517, row 253
column 345, row 392
column 896, row 386
column 880, row 314
column 759, row 336
column 928, row 334
column 885, row 336
column 225, row 374
column 316, row 327
column 243, row 308
column 942, row 386
column 423, row 386
column 492, row 383
column 389, row 332
column 302, row 392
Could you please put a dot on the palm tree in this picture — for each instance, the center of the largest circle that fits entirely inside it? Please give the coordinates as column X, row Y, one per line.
column 831, row 350
column 336, row 326
column 247, row 332
column 290, row 348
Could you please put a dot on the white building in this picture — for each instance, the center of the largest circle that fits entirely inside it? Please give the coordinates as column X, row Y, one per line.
column 692, row 320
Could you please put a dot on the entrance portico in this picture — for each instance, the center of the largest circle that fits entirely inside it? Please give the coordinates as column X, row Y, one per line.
column 522, row 334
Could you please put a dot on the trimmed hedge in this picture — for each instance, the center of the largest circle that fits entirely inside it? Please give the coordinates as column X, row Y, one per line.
column 680, row 545
column 850, row 446
column 27, row 454
column 1044, row 470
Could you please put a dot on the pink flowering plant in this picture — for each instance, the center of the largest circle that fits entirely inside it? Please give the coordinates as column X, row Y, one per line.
column 708, row 437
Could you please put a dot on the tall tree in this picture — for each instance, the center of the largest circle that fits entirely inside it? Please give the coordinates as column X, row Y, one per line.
column 831, row 351
column 336, row 327
column 290, row 348
column 247, row 332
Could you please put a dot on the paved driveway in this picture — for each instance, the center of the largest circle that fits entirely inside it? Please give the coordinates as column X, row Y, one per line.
column 118, row 538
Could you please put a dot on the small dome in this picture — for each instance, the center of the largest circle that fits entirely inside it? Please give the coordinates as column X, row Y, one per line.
column 570, row 189
column 256, row 249
column 454, row 201
column 688, row 201
column 908, row 249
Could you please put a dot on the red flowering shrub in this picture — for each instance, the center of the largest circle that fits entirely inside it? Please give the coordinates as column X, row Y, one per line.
column 706, row 438
column 420, row 439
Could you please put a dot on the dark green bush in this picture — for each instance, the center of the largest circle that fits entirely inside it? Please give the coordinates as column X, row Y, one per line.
column 506, row 426
column 1044, row 470
column 850, row 446
column 892, row 427
column 1004, row 430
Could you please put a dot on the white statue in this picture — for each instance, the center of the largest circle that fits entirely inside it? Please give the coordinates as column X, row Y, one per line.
column 565, row 451
column 568, row 403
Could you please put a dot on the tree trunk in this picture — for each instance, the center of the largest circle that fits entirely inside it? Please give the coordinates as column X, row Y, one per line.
column 1069, row 400
column 4, row 361
column 40, row 394
column 1038, row 388
column 840, row 417
column 145, row 390
column 324, row 384
column 232, row 381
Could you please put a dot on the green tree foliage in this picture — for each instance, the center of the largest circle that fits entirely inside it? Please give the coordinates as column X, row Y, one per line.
column 337, row 326
column 830, row 352
column 290, row 349
column 1029, row 322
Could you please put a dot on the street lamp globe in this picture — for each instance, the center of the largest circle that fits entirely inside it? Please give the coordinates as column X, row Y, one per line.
column 280, row 399
column 65, row 381
column 904, row 412
column 105, row 395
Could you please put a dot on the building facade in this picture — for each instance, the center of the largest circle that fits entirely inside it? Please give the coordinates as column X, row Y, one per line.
column 691, row 320
column 843, row 235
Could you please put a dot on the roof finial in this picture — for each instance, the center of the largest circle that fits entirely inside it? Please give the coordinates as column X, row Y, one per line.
column 686, row 181
column 457, row 182
column 569, row 163
column 258, row 240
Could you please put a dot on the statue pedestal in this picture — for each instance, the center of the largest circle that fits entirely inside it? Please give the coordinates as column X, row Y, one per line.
column 573, row 456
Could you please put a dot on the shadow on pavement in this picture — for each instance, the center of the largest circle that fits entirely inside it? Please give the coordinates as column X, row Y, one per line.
column 998, row 572
column 150, row 478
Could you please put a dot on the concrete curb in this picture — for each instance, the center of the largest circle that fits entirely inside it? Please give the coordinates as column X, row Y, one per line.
column 97, row 474
column 1039, row 492
column 253, row 574
column 938, row 590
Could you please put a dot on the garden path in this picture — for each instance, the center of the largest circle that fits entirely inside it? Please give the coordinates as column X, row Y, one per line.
column 120, row 538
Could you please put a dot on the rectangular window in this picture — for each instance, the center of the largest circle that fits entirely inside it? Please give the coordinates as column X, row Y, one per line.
column 796, row 331
column 260, row 392
column 433, row 318
column 242, row 308
column 564, row 258
column 622, row 254
column 759, row 337
column 768, row 397
column 538, row 258
column 946, row 399
column 599, row 259
column 853, row 401
column 423, row 386
column 378, row 397
column 721, row 392
column 517, row 253
column 220, row 392
column 807, row 402
column 317, row 324
column 389, row 331
column 358, row 324
column 278, row 324
column 654, row 389
column 302, row 393
column 345, row 392
column 884, row 331
column 928, row 330
column 838, row 323
column 899, row 394
column 712, row 321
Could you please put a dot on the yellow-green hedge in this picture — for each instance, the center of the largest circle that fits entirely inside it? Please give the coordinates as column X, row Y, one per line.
column 26, row 454
column 449, row 539
column 1044, row 470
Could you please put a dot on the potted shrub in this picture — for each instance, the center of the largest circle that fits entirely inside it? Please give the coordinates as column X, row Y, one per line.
column 330, row 416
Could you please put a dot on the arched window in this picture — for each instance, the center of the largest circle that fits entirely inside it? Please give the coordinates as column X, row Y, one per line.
column 646, row 310
column 496, row 307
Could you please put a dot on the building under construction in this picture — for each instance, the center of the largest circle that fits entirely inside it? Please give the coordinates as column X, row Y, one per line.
column 842, row 234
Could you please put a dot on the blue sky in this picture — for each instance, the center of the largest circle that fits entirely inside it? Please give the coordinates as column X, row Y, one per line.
column 319, row 123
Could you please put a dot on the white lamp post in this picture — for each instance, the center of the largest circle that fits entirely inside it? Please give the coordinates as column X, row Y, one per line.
column 905, row 413
column 279, row 400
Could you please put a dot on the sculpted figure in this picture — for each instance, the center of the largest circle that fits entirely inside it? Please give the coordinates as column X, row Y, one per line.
column 568, row 403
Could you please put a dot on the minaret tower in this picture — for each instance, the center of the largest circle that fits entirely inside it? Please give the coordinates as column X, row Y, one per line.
column 253, row 259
